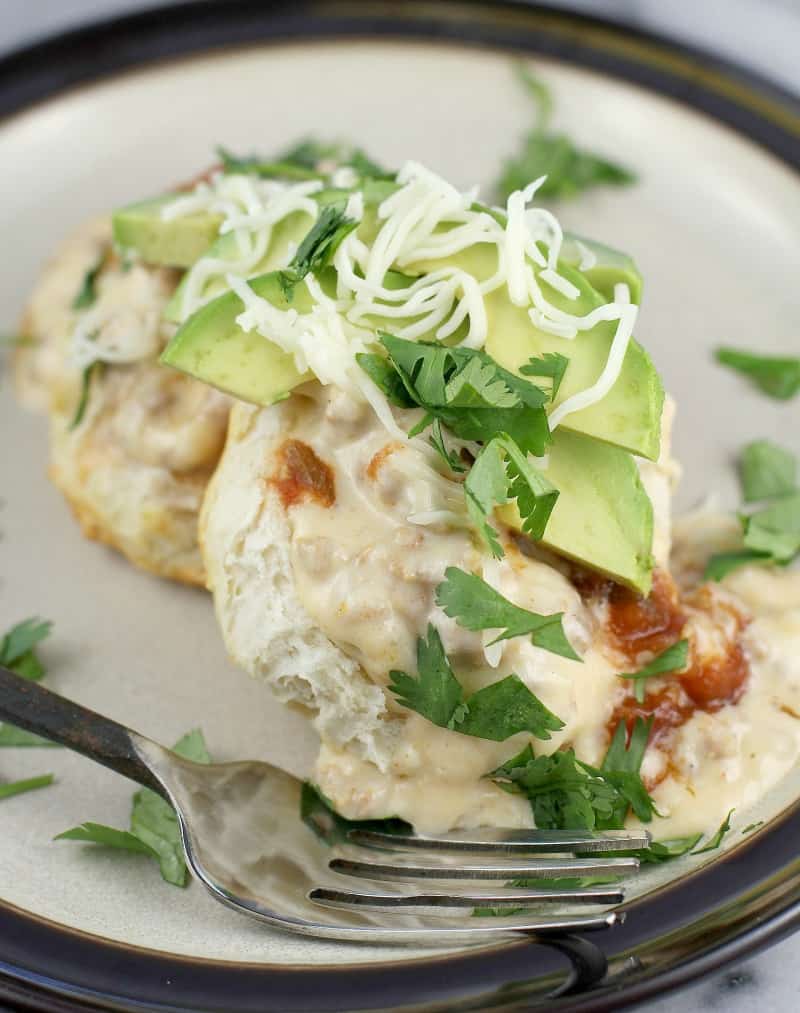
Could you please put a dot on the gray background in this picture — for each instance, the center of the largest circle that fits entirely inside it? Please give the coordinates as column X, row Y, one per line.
column 761, row 34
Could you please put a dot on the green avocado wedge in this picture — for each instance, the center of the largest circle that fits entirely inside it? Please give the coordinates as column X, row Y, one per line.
column 610, row 267
column 212, row 348
column 176, row 242
column 603, row 516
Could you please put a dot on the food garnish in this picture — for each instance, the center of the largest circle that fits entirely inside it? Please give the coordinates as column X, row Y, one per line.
column 545, row 152
column 495, row 712
column 776, row 375
column 476, row 605
column 673, row 659
column 154, row 826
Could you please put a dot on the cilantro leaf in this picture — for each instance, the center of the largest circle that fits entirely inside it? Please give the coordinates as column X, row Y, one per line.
column 753, row 826
column 29, row 784
column 154, row 823
column 18, row 652
column 318, row 813
column 551, row 364
column 723, row 563
column 309, row 159
column 775, row 375
column 660, row 851
column 673, row 659
column 502, row 473
column 436, row 694
column 98, row 833
column 569, row 169
column 766, row 470
column 621, row 767
column 87, row 293
column 472, row 395
column 715, row 841
column 15, row 737
column 563, row 793
column 775, row 529
column 495, row 712
column 505, row 708
column 319, row 245
column 17, row 647
column 476, row 605
column 83, row 401
column 450, row 457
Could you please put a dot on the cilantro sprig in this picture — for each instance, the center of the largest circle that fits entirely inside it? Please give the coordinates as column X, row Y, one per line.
column 318, row 247
column 464, row 388
column 775, row 375
column 770, row 534
column 309, row 159
column 154, row 828
column 18, row 651
column 9, row 789
column 502, row 474
column 766, row 470
column 476, row 605
column 567, row 794
column 673, row 659
column 495, row 712
column 545, row 152
column 552, row 365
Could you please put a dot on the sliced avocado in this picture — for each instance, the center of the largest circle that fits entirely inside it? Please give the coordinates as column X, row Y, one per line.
column 603, row 517
column 611, row 266
column 211, row 347
column 176, row 242
column 290, row 230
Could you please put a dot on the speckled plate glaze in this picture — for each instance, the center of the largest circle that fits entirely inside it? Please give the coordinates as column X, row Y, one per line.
column 101, row 116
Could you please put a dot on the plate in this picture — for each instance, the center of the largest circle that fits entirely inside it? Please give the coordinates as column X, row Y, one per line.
column 101, row 116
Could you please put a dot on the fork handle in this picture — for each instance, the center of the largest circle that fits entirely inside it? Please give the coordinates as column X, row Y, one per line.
column 30, row 706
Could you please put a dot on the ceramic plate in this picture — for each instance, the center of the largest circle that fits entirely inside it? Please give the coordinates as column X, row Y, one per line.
column 715, row 225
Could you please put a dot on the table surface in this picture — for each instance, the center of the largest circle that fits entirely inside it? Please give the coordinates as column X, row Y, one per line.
column 731, row 27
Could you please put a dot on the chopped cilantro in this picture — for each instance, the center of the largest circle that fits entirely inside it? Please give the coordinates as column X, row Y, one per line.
column 153, row 822
column 673, row 659
column 87, row 293
column 723, row 563
column 476, row 605
column 567, row 794
column 715, row 841
column 753, row 826
column 544, row 152
column 766, row 470
column 96, row 833
column 83, row 400
column 471, row 394
column 317, row 812
column 309, row 159
column 318, row 246
column 495, row 712
column 18, row 652
column 551, row 364
column 29, row 784
column 502, row 473
column 776, row 375
column 450, row 457
column 775, row 529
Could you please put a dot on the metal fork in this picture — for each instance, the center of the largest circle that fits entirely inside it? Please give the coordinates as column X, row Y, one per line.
column 245, row 841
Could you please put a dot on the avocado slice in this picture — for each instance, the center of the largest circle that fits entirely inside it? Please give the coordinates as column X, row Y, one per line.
column 629, row 416
column 178, row 242
column 603, row 517
column 291, row 229
column 610, row 267
column 211, row 347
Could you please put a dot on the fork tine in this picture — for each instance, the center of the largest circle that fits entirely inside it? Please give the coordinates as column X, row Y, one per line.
column 542, row 868
column 513, row 842
column 443, row 904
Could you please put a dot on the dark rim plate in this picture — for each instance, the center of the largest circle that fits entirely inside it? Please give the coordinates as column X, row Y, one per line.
column 745, row 900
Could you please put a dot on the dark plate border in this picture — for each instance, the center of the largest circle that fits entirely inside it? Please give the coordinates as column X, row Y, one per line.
column 743, row 901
